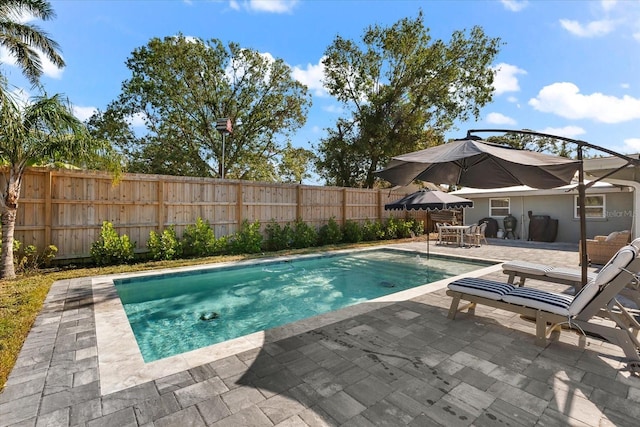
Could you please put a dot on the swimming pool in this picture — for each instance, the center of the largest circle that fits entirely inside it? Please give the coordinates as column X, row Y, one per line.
column 179, row 312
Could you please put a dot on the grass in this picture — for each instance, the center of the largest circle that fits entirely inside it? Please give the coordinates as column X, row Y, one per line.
column 21, row 299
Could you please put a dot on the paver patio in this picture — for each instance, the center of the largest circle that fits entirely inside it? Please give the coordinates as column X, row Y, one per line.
column 397, row 363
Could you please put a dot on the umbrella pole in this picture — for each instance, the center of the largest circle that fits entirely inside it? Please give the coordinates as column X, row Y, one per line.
column 584, row 261
column 428, row 236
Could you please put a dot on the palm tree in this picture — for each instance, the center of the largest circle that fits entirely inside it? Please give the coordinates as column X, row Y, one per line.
column 25, row 41
column 40, row 132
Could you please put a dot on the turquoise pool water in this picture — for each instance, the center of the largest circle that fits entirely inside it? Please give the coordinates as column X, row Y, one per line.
column 175, row 313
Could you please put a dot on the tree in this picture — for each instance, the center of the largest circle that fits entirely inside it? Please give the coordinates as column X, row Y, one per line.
column 41, row 132
column 181, row 86
column 403, row 91
column 294, row 164
column 25, row 42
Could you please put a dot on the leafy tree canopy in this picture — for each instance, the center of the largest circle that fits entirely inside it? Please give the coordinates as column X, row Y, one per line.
column 180, row 87
column 403, row 90
column 295, row 163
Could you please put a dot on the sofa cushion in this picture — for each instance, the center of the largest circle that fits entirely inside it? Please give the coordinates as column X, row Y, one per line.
column 611, row 236
column 481, row 287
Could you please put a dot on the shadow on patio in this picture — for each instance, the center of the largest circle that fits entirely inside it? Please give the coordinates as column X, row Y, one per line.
column 406, row 363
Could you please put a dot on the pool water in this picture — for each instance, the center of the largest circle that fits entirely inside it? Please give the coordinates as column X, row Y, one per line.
column 175, row 313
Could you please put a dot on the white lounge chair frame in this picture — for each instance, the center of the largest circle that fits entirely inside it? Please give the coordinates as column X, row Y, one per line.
column 605, row 305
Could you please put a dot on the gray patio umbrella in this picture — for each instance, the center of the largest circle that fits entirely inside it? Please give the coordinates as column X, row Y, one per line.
column 473, row 162
column 429, row 200
column 480, row 164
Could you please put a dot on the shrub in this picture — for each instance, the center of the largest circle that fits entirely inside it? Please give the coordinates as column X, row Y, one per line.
column 304, row 236
column 352, row 232
column 372, row 230
column 278, row 237
column 112, row 248
column 404, row 228
column 199, row 239
column 164, row 246
column 417, row 227
column 330, row 233
column 248, row 240
column 29, row 259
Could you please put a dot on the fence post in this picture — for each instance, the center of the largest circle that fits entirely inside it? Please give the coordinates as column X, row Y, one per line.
column 344, row 206
column 380, row 206
column 160, row 205
column 47, row 209
column 299, row 202
column 239, row 206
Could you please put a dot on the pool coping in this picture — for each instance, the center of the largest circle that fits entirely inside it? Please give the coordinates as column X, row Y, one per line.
column 120, row 361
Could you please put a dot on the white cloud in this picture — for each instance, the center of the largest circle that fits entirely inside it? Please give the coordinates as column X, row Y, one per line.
column 311, row 76
column 567, row 131
column 506, row 78
column 607, row 5
column 48, row 69
column 333, row 109
column 514, row 5
column 83, row 113
column 512, row 99
column 500, row 119
column 565, row 100
column 625, row 85
column 592, row 29
column 137, row 120
column 632, row 145
column 269, row 6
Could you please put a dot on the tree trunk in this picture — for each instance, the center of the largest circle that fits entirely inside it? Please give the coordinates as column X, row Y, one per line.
column 8, row 226
column 8, row 217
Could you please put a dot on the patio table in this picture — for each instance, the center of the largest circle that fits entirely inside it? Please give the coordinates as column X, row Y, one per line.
column 460, row 228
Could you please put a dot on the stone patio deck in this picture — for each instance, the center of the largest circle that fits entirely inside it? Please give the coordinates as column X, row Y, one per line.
column 397, row 363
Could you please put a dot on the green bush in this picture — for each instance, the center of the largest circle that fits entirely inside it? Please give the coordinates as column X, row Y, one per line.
column 248, row 240
column 352, row 232
column 330, row 233
column 372, row 230
column 29, row 259
column 304, row 236
column 164, row 246
column 278, row 238
column 112, row 248
column 404, row 228
column 198, row 239
column 417, row 226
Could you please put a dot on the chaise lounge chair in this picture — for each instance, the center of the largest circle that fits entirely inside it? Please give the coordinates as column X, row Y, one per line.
column 567, row 276
column 552, row 310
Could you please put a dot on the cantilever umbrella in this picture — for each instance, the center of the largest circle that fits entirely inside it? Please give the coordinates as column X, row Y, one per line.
column 480, row 164
column 473, row 162
column 429, row 200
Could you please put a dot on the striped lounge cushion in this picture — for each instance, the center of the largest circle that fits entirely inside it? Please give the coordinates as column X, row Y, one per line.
column 541, row 300
column 570, row 274
column 526, row 267
column 481, row 287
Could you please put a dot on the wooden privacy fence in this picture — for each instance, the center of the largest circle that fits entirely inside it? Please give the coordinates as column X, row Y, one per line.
column 67, row 208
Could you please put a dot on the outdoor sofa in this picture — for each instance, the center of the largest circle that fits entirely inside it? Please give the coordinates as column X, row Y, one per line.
column 601, row 248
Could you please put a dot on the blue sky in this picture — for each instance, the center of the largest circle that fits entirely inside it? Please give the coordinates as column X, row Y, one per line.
column 569, row 68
